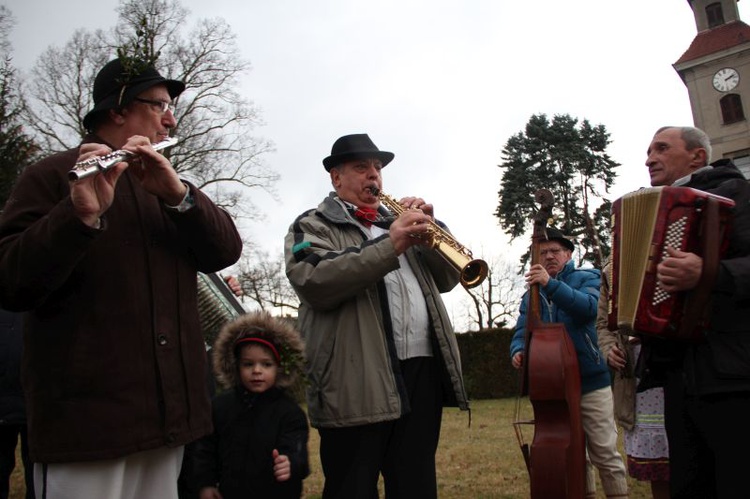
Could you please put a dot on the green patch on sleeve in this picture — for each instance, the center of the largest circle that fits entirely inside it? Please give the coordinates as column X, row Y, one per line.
column 300, row 246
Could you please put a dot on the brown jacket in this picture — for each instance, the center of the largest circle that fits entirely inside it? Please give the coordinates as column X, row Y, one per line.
column 114, row 360
column 623, row 389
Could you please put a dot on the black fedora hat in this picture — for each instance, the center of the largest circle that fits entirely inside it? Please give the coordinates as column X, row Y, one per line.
column 555, row 235
column 356, row 146
column 114, row 87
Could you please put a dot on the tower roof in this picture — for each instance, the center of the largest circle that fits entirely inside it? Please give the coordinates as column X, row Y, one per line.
column 717, row 39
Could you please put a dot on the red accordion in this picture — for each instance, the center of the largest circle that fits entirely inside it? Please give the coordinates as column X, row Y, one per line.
column 644, row 224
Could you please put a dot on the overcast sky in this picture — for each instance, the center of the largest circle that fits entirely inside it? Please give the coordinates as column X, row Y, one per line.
column 441, row 84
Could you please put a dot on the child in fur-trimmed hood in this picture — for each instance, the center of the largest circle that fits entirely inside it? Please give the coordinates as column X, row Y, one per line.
column 259, row 444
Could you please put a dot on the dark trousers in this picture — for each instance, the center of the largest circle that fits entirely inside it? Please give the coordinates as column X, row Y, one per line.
column 8, row 441
column 708, row 443
column 402, row 450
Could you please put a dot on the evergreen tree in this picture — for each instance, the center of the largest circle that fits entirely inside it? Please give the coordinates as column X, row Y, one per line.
column 17, row 149
column 570, row 160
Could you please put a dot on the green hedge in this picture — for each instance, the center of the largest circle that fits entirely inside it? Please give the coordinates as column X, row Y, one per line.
column 485, row 358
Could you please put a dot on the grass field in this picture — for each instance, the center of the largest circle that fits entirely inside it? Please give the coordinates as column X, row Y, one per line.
column 477, row 461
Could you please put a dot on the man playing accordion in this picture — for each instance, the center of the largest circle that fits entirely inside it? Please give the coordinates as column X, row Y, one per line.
column 707, row 383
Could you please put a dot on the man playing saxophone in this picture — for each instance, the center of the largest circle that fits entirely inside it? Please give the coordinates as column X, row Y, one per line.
column 383, row 358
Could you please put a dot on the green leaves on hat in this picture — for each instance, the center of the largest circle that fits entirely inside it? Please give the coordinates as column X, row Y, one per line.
column 138, row 55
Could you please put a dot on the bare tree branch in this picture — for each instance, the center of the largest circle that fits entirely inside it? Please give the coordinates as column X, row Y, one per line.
column 215, row 122
column 495, row 302
column 264, row 281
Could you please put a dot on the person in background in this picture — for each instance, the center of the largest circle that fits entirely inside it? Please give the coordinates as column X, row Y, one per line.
column 382, row 355
column 706, row 384
column 12, row 407
column 640, row 414
column 114, row 367
column 259, row 444
column 569, row 295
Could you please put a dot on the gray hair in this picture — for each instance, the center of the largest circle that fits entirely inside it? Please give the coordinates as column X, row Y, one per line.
column 693, row 138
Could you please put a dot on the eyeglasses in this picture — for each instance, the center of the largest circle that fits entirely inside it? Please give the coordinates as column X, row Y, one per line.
column 162, row 105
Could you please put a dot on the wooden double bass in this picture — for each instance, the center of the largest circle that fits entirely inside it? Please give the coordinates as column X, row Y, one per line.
column 556, row 460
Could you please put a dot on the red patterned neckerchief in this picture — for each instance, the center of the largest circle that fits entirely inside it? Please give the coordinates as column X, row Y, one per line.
column 366, row 215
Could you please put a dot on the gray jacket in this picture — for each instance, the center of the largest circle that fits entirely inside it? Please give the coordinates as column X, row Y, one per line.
column 338, row 274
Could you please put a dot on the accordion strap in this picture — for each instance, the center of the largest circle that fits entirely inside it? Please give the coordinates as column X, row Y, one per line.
column 696, row 303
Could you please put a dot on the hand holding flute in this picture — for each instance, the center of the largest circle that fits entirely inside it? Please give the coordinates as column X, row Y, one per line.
column 92, row 193
column 98, row 164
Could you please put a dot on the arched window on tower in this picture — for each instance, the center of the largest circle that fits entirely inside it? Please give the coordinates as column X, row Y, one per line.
column 714, row 15
column 731, row 109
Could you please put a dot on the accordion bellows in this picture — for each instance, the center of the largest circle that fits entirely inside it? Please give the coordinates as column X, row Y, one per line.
column 217, row 305
column 644, row 224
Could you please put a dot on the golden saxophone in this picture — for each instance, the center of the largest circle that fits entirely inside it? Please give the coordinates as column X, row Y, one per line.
column 98, row 164
column 473, row 271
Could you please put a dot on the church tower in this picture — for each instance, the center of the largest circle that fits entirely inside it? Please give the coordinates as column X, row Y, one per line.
column 716, row 70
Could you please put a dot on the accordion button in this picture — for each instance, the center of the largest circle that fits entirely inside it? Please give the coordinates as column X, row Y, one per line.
column 161, row 339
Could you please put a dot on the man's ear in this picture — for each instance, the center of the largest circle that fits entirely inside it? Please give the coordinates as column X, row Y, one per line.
column 700, row 157
column 335, row 177
column 117, row 116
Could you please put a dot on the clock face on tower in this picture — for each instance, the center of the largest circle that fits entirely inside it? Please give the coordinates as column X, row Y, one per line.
column 726, row 79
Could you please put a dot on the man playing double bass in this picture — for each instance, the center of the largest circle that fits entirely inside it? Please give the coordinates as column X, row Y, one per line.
column 569, row 296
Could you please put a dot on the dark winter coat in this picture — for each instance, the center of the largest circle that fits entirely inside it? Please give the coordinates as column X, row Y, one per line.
column 114, row 361
column 11, row 347
column 238, row 455
column 237, row 458
column 722, row 363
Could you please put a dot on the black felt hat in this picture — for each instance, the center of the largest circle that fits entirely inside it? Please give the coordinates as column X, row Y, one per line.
column 114, row 87
column 357, row 146
column 555, row 235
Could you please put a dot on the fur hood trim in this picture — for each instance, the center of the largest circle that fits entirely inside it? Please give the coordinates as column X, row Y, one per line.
column 280, row 332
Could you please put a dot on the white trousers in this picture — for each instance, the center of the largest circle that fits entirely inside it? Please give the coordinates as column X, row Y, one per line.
column 597, row 413
column 144, row 475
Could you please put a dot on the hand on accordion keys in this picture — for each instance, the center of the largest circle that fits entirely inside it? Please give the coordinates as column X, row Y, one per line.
column 680, row 271
column 234, row 285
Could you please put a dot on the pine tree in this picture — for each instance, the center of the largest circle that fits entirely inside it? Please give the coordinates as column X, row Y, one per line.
column 17, row 149
column 570, row 160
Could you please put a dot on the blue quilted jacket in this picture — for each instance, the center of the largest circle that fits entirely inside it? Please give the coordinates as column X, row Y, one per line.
column 571, row 298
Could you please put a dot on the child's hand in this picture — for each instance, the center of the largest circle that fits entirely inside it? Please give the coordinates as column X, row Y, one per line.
column 210, row 493
column 282, row 469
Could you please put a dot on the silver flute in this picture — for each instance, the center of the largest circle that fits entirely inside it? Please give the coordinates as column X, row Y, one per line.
column 98, row 164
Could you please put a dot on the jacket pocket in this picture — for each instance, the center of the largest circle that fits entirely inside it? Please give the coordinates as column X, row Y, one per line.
column 593, row 350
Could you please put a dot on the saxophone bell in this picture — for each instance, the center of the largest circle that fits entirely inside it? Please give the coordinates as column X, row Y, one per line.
column 473, row 271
